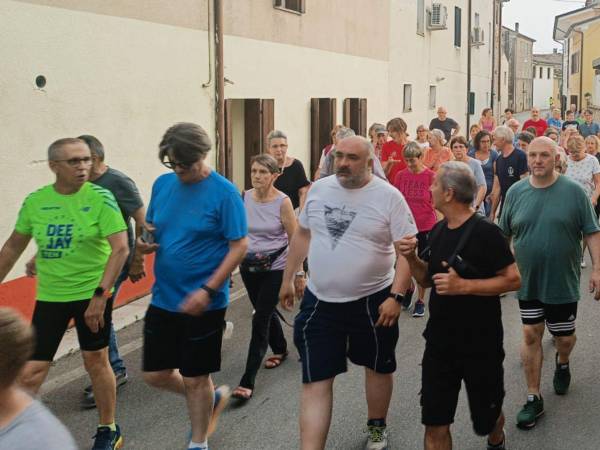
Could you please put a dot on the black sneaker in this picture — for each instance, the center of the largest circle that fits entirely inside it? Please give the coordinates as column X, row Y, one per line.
column 531, row 412
column 106, row 439
column 407, row 302
column 500, row 446
column 89, row 401
column 562, row 378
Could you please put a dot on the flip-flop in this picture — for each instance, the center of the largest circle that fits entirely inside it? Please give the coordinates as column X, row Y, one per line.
column 275, row 361
column 241, row 393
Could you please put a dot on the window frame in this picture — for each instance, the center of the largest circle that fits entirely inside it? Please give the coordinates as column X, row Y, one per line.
column 407, row 99
column 432, row 96
column 421, row 17
column 282, row 5
column 457, row 27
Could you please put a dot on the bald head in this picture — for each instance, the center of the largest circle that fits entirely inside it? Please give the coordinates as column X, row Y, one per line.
column 544, row 143
column 354, row 157
column 359, row 145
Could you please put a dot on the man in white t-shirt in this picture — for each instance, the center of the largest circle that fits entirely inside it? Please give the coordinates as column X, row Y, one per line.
column 349, row 229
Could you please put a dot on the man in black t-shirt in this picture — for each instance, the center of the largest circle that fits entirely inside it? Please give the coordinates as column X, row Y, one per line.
column 468, row 265
column 449, row 126
column 509, row 167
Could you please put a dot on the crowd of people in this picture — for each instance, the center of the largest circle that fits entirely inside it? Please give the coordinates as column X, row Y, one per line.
column 466, row 217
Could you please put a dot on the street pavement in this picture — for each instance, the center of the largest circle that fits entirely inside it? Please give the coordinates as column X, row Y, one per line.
column 154, row 420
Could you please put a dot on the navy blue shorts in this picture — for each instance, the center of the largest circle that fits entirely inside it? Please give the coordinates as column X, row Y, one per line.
column 327, row 333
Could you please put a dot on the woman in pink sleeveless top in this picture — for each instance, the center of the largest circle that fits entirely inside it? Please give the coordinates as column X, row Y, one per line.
column 487, row 121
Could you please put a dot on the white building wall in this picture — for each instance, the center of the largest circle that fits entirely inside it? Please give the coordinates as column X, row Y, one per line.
column 543, row 88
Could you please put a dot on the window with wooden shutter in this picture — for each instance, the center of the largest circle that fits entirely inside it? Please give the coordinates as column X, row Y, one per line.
column 323, row 117
column 407, row 98
column 355, row 115
column 457, row 26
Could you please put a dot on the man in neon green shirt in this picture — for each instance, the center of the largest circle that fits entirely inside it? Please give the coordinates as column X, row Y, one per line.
column 82, row 246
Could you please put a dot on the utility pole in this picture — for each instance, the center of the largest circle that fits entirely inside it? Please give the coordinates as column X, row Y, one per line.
column 219, row 87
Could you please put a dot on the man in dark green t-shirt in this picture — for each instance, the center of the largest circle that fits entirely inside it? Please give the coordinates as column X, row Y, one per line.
column 82, row 246
column 547, row 215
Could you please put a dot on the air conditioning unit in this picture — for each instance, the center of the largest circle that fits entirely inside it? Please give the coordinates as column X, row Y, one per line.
column 437, row 17
column 477, row 38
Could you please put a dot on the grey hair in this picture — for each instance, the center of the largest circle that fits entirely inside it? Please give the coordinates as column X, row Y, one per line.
column 186, row 142
column 275, row 134
column 439, row 135
column 344, row 133
column 267, row 161
column 459, row 177
column 94, row 144
column 55, row 148
column 412, row 150
column 504, row 133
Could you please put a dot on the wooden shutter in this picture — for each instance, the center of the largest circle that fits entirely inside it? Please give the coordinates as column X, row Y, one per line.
column 355, row 115
column 323, row 113
column 259, row 120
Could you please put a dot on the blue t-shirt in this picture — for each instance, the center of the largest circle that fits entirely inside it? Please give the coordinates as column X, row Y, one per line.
column 589, row 130
column 555, row 123
column 194, row 224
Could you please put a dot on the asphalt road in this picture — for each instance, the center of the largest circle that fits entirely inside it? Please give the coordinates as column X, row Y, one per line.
column 154, row 420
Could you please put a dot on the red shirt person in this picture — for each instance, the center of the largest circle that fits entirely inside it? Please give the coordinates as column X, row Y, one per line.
column 536, row 122
column 392, row 157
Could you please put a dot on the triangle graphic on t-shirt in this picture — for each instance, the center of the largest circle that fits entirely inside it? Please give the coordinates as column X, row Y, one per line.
column 337, row 222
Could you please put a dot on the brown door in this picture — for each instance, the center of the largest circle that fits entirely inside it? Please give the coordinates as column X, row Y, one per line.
column 259, row 120
column 228, row 141
column 322, row 120
column 355, row 115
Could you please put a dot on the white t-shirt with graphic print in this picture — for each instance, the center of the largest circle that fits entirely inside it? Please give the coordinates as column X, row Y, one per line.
column 351, row 253
column 583, row 172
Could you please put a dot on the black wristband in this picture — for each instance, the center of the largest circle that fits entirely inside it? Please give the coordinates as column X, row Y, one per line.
column 211, row 292
column 398, row 297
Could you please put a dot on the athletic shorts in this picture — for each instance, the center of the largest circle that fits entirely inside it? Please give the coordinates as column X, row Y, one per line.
column 442, row 374
column 191, row 344
column 422, row 241
column 560, row 319
column 326, row 333
column 51, row 319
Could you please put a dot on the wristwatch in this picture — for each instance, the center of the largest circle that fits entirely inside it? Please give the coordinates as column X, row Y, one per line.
column 101, row 292
column 398, row 297
column 300, row 273
column 212, row 293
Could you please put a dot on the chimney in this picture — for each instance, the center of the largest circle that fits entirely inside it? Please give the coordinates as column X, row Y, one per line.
column 517, row 27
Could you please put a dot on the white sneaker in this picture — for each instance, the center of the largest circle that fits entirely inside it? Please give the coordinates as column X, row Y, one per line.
column 377, row 438
column 583, row 264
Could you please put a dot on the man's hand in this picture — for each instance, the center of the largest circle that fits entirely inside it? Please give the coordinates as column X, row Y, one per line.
column 389, row 311
column 30, row 269
column 144, row 247
column 408, row 247
column 136, row 271
column 299, row 285
column 449, row 283
column 196, row 302
column 287, row 295
column 595, row 284
column 94, row 314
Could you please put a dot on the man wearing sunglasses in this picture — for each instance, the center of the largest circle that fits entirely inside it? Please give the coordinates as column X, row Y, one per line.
column 82, row 246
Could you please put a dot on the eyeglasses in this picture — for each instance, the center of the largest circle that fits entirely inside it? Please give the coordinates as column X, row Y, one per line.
column 74, row 162
column 174, row 164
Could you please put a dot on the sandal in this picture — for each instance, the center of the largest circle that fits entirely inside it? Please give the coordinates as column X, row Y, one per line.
column 275, row 361
column 242, row 393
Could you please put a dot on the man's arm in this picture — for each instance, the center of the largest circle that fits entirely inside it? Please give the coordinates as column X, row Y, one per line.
column 456, row 129
column 419, row 268
column 136, row 269
column 506, row 280
column 94, row 314
column 596, row 193
column 302, row 195
column 296, row 255
column 593, row 243
column 12, row 249
column 198, row 300
column 389, row 310
column 495, row 195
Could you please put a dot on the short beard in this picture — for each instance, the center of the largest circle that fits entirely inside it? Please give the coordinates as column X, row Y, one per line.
column 354, row 181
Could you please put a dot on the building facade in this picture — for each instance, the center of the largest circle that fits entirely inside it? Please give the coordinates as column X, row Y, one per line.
column 125, row 71
column 547, row 76
column 519, row 52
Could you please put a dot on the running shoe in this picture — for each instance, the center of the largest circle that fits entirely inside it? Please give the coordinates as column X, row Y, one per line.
column 531, row 412
column 377, row 438
column 562, row 378
column 407, row 302
column 583, row 264
column 88, row 394
column 500, row 446
column 106, row 439
column 419, row 310
column 228, row 330
column 222, row 395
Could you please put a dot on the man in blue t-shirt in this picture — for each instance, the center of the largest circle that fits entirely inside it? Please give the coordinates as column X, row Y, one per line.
column 589, row 127
column 197, row 226
column 509, row 168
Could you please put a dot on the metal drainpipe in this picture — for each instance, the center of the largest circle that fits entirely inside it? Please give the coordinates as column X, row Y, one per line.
column 499, row 95
column 581, row 73
column 492, row 93
column 468, row 68
column 219, row 87
column 562, row 80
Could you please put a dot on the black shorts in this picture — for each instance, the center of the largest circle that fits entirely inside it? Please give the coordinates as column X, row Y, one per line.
column 442, row 374
column 51, row 319
column 180, row 341
column 326, row 333
column 422, row 241
column 560, row 319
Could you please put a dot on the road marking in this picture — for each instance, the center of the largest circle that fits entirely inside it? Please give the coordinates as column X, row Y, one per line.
column 66, row 378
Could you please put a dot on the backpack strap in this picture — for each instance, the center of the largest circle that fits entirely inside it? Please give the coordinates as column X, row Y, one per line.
column 471, row 223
